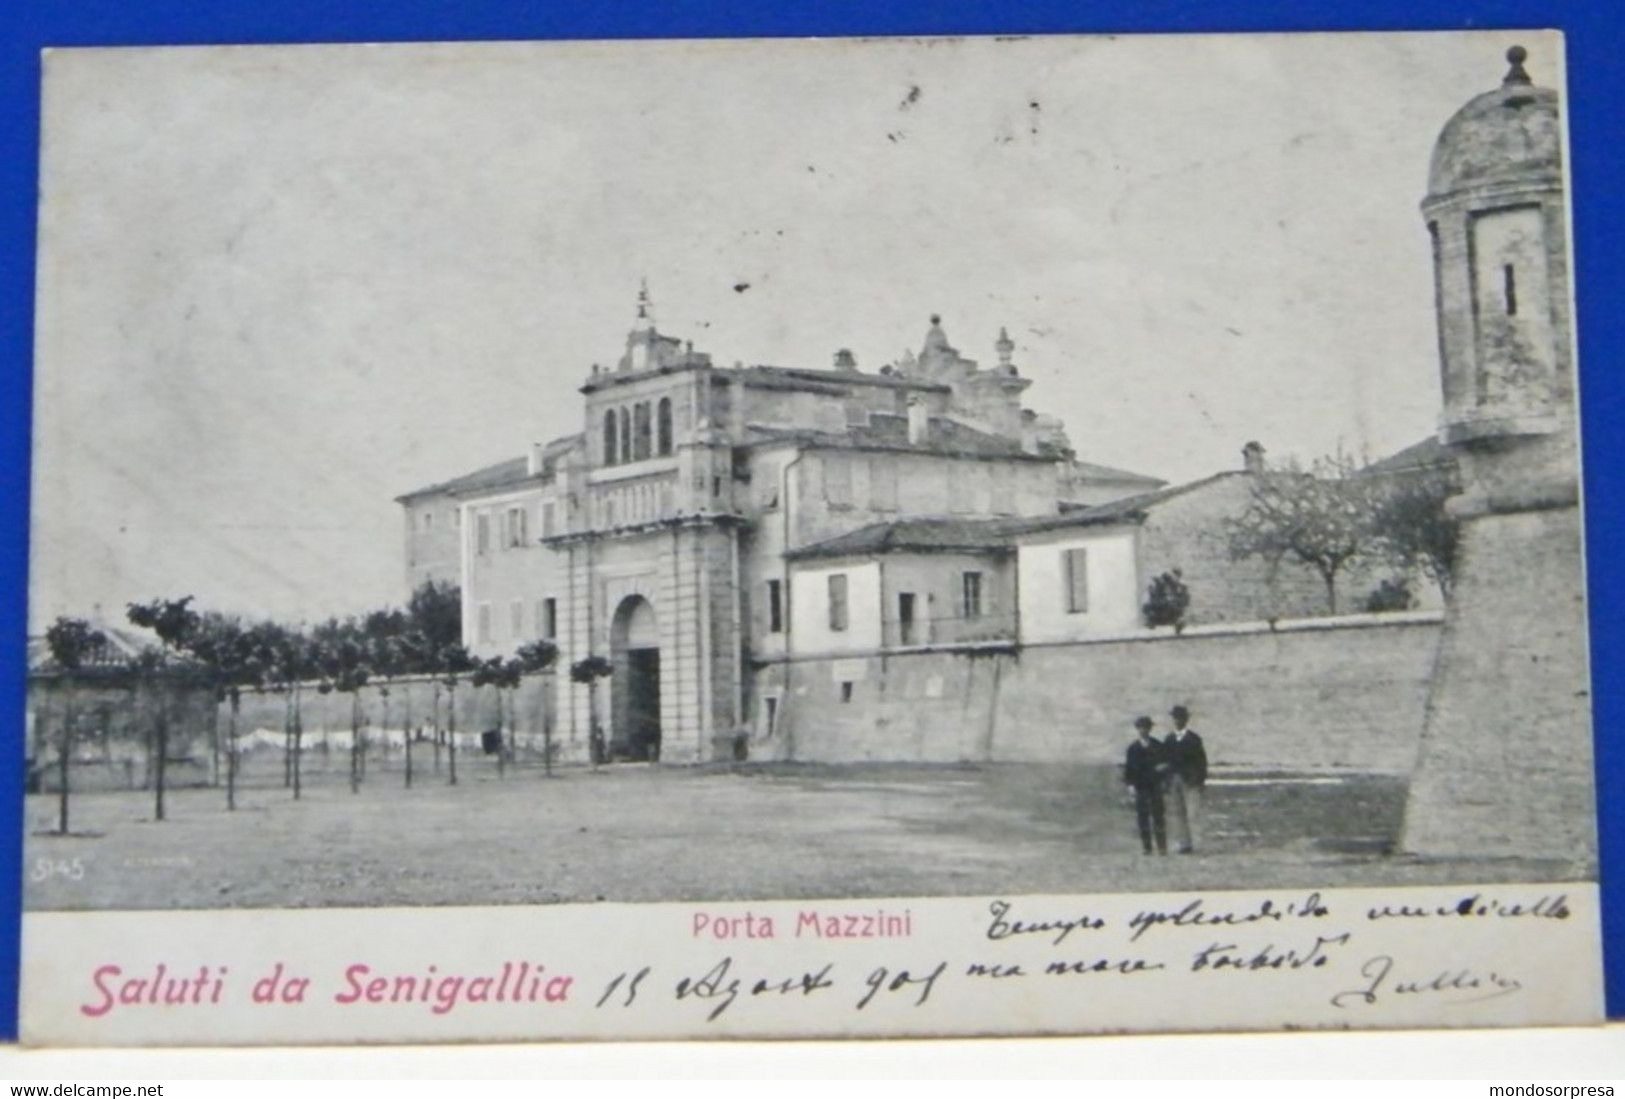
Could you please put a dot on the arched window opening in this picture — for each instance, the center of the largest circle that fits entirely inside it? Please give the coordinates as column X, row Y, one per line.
column 626, row 436
column 612, row 450
column 640, row 431
column 663, row 426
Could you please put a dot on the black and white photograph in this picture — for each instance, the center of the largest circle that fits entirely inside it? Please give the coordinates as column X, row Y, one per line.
column 822, row 472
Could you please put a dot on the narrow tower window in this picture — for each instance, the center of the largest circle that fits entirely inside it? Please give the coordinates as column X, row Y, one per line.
column 640, row 431
column 1509, row 282
column 663, row 426
column 775, row 608
column 612, row 446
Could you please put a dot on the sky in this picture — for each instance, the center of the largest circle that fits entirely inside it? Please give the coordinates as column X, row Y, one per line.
column 279, row 286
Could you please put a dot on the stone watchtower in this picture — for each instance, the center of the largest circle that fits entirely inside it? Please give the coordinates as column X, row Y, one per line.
column 1505, row 766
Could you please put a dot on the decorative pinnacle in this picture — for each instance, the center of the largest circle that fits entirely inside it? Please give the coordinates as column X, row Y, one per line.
column 1517, row 74
column 645, row 306
column 1005, row 347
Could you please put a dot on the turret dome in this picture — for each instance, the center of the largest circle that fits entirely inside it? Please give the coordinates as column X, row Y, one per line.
column 1510, row 135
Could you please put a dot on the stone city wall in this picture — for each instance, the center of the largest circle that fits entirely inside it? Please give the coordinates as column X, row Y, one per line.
column 1343, row 693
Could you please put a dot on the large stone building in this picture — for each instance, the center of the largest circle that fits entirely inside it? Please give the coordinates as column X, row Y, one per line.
column 662, row 535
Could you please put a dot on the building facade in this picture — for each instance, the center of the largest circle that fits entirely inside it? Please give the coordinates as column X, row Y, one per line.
column 662, row 536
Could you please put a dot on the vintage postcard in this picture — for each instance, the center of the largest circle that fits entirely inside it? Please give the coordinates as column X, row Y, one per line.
column 806, row 538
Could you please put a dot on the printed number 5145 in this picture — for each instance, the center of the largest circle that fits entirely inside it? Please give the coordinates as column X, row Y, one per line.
column 44, row 869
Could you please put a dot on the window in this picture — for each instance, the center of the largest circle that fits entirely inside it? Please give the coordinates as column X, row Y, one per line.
column 626, row 435
column 775, row 607
column 837, row 602
column 971, row 605
column 1509, row 283
column 771, row 718
column 640, row 431
column 482, row 533
column 767, row 488
column 612, row 446
column 483, row 634
column 1075, row 566
column 838, row 481
column 882, row 484
column 548, row 618
column 428, row 520
column 514, row 527
column 663, row 426
column 548, row 519
column 846, row 690
column 516, row 619
column 905, row 618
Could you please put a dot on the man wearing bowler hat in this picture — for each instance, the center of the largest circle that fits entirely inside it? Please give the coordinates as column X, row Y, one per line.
column 1144, row 771
column 1187, row 775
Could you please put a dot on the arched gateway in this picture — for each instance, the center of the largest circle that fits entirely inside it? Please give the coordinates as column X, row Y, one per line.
column 634, row 642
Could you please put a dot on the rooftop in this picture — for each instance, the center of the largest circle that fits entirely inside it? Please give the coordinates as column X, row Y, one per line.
column 942, row 535
column 1429, row 453
column 947, row 535
column 512, row 471
column 887, row 431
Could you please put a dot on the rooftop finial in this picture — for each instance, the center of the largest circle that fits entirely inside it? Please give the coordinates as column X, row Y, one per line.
column 646, row 308
column 1517, row 74
column 1005, row 346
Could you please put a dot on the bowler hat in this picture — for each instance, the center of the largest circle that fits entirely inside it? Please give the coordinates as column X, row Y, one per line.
column 1143, row 723
column 1179, row 712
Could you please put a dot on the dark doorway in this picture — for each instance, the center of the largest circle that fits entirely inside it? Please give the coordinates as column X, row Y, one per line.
column 634, row 731
column 643, row 704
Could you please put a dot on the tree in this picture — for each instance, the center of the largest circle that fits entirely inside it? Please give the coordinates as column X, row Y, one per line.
column 1166, row 601
column 287, row 659
column 451, row 663
column 390, row 657
column 588, row 671
column 72, row 641
column 538, row 656
column 435, row 610
column 230, row 656
column 435, row 617
column 342, row 660
column 1413, row 527
column 174, row 621
column 503, row 674
column 1390, row 595
column 1322, row 519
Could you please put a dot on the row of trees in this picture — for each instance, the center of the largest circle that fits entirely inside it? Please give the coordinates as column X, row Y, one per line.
column 228, row 656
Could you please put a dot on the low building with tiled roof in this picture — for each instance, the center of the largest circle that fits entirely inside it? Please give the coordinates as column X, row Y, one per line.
column 1072, row 574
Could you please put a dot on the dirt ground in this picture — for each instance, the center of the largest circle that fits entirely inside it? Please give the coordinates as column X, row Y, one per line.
column 633, row 832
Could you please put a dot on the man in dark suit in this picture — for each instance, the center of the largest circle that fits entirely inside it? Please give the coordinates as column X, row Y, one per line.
column 1144, row 771
column 1187, row 775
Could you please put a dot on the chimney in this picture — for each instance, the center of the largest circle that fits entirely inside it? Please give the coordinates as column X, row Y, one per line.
column 844, row 360
column 1252, row 457
column 919, row 422
column 533, row 460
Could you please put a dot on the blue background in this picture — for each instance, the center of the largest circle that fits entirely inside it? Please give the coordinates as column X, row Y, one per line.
column 1597, row 169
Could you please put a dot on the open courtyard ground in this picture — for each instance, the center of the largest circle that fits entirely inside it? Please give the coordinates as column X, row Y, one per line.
column 651, row 833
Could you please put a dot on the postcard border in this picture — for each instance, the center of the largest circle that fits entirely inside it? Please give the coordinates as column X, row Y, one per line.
column 1595, row 83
